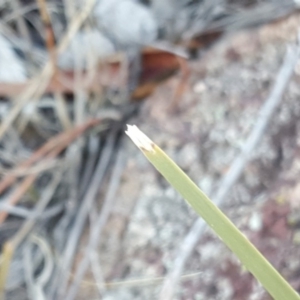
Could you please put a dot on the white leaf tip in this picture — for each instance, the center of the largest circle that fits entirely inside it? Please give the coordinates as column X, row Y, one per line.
column 139, row 138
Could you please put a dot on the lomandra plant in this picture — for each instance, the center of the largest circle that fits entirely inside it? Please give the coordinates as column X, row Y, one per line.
column 249, row 256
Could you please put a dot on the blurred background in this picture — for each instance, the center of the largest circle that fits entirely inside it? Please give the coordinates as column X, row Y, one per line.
column 83, row 215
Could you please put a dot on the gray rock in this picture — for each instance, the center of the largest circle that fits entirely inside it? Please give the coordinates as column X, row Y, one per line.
column 86, row 45
column 126, row 23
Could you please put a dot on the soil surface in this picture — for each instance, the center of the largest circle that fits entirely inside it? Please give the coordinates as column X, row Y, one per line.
column 203, row 134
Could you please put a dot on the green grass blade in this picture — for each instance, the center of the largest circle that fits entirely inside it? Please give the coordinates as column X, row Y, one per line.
column 249, row 256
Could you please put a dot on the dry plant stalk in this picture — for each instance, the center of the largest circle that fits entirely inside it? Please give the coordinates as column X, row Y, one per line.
column 37, row 87
column 50, row 150
column 49, row 34
column 5, row 260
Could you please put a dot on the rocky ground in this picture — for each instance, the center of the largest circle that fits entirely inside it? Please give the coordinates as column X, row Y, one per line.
column 219, row 107
column 203, row 132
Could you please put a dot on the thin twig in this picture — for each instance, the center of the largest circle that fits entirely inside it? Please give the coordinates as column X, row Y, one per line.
column 93, row 145
column 96, row 229
column 39, row 84
column 37, row 168
column 62, row 111
column 49, row 34
column 40, row 207
column 22, row 27
column 17, row 194
column 139, row 282
column 74, row 235
column 29, row 214
column 97, row 272
column 61, row 106
column 60, row 140
column 11, row 245
column 6, row 257
column 29, row 180
column 235, row 170
column 36, row 285
column 65, row 81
